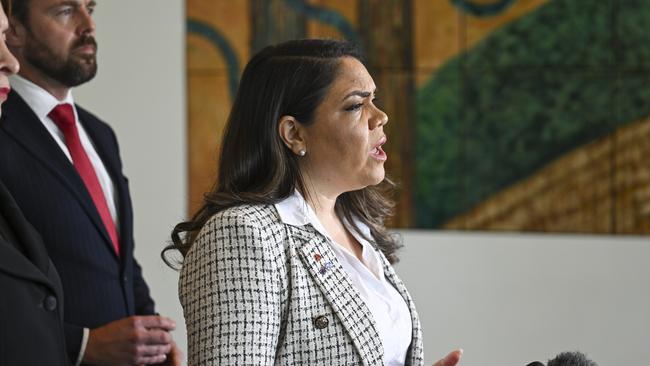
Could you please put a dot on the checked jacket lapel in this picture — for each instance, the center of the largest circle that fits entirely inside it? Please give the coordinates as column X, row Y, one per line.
column 339, row 291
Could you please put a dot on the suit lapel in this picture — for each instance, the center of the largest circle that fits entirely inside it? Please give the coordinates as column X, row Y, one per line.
column 34, row 264
column 15, row 263
column 23, row 125
column 315, row 252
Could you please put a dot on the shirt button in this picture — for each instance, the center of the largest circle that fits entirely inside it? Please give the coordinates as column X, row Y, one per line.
column 50, row 303
column 321, row 322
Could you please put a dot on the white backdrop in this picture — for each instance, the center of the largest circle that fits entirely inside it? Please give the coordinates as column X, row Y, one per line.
column 511, row 299
column 506, row 299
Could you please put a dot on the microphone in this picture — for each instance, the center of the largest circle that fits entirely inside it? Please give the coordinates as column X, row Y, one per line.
column 571, row 359
column 567, row 359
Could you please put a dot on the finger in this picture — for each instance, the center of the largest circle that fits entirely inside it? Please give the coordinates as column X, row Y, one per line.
column 155, row 321
column 145, row 337
column 152, row 351
column 154, row 337
column 151, row 360
column 451, row 359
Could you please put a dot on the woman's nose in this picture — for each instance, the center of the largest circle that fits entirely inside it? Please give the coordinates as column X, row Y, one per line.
column 8, row 63
column 380, row 119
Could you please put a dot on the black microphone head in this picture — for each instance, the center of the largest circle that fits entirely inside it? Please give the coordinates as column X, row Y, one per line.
column 536, row 363
column 571, row 359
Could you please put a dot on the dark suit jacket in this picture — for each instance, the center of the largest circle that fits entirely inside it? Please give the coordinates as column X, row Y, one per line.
column 99, row 286
column 31, row 298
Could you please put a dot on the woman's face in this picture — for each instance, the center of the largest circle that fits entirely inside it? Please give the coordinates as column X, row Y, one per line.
column 8, row 63
column 343, row 144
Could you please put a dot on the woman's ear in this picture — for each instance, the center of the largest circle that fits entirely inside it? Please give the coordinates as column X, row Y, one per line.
column 292, row 134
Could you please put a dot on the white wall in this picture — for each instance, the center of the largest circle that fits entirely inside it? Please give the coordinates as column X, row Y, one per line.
column 511, row 299
column 506, row 299
column 140, row 91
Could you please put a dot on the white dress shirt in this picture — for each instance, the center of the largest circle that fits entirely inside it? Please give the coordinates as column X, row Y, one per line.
column 390, row 311
column 42, row 103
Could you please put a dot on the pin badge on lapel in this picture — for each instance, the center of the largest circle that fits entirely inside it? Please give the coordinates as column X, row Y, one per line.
column 324, row 267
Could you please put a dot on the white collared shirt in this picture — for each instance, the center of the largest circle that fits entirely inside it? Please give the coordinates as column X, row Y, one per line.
column 390, row 311
column 41, row 102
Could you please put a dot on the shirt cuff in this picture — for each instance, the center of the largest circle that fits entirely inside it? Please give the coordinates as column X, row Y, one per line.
column 82, row 349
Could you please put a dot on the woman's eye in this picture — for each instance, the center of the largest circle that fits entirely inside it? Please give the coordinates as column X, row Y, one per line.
column 354, row 107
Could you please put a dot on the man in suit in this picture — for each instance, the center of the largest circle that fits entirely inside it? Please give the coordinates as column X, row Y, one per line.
column 62, row 166
column 31, row 302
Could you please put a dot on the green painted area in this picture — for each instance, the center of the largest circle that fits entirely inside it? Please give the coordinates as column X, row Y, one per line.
column 567, row 74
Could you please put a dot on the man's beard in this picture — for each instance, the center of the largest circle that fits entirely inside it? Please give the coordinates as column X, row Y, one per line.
column 70, row 72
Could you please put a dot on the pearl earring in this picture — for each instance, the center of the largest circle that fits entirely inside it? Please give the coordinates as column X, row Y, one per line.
column 302, row 152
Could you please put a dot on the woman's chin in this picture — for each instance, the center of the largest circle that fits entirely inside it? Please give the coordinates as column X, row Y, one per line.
column 378, row 177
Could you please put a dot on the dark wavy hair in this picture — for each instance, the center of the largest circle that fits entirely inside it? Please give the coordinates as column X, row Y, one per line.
column 255, row 166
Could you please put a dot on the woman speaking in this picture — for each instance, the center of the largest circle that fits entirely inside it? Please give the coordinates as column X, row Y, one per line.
column 288, row 260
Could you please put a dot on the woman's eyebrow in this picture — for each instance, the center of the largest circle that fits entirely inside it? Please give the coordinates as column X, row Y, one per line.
column 363, row 94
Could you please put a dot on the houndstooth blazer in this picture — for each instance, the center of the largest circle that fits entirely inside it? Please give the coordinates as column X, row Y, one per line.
column 255, row 292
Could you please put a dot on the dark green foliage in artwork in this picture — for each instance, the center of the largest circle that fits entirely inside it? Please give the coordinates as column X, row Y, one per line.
column 567, row 74
column 437, row 170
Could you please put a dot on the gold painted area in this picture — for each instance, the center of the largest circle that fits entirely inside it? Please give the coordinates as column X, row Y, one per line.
column 479, row 27
column 603, row 187
column 208, row 89
column 632, row 179
column 348, row 9
column 209, row 105
column 203, row 56
column 442, row 31
column 231, row 19
column 436, row 36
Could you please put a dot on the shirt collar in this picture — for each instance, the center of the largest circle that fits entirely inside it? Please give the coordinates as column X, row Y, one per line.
column 37, row 98
column 294, row 210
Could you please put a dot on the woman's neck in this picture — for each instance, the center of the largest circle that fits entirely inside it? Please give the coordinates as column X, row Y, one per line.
column 324, row 205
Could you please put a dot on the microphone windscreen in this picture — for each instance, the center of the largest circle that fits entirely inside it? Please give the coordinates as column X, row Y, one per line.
column 571, row 359
column 536, row 363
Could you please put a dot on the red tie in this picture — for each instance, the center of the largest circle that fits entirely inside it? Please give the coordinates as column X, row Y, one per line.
column 63, row 116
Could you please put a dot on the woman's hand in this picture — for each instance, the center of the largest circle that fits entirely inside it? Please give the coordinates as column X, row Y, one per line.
column 451, row 359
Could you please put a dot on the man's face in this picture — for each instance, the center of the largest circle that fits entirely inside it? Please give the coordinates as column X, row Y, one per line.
column 60, row 40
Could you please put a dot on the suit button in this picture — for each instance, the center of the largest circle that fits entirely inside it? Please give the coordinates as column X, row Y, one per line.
column 321, row 322
column 50, row 303
column 125, row 279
